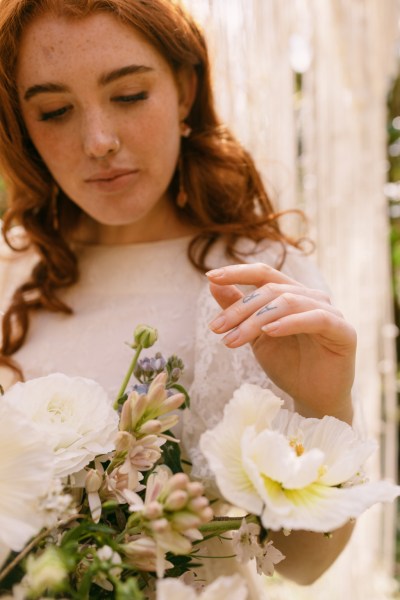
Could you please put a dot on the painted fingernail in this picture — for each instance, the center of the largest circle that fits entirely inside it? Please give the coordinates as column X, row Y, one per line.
column 218, row 323
column 271, row 327
column 232, row 336
column 215, row 273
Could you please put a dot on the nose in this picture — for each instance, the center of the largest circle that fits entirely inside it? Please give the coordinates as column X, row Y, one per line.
column 99, row 137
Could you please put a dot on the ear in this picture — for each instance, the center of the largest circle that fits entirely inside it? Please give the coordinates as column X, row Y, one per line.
column 187, row 87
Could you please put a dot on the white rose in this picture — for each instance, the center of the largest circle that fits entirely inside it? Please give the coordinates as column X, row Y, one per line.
column 26, row 472
column 74, row 415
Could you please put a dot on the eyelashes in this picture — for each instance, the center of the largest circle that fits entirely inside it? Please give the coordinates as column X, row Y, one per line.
column 123, row 99
column 54, row 114
column 131, row 98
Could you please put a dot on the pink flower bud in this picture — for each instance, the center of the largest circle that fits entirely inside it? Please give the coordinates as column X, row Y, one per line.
column 154, row 510
column 195, row 488
column 171, row 403
column 151, row 427
column 197, row 504
column 206, row 514
column 160, row 525
column 178, row 481
column 93, row 481
column 185, row 520
column 176, row 500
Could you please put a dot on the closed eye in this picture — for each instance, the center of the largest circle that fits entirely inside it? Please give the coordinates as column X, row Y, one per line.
column 131, row 98
column 54, row 114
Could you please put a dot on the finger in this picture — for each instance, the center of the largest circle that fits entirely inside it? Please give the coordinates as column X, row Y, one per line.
column 256, row 274
column 283, row 306
column 331, row 329
column 251, row 303
column 226, row 295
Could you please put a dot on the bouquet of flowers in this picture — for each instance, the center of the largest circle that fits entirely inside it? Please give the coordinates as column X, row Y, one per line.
column 95, row 501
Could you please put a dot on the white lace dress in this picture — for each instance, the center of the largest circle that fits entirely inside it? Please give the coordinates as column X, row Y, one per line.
column 122, row 286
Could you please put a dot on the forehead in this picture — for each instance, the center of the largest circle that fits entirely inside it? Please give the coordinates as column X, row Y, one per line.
column 99, row 41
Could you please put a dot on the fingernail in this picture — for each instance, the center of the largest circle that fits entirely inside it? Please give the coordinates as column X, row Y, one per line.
column 218, row 322
column 271, row 327
column 232, row 336
column 215, row 273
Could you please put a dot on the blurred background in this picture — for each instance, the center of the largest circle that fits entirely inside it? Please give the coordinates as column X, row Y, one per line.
column 312, row 89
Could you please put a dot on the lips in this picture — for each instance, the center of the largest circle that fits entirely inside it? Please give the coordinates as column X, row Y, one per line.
column 109, row 176
column 115, row 181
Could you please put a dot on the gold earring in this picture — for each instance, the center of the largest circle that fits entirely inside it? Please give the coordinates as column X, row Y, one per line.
column 185, row 129
column 182, row 197
column 54, row 207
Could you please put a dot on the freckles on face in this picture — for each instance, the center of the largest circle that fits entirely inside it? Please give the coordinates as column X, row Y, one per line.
column 100, row 103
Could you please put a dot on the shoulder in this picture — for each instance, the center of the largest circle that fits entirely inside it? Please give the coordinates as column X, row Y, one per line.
column 15, row 264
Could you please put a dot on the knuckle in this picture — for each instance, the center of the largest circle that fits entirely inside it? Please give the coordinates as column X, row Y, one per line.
column 290, row 299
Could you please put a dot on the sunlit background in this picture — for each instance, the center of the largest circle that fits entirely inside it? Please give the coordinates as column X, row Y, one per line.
column 311, row 88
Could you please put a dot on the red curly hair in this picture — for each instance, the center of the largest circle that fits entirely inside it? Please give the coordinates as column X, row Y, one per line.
column 226, row 195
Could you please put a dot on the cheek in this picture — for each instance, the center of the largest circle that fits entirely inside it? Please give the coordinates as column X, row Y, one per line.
column 55, row 148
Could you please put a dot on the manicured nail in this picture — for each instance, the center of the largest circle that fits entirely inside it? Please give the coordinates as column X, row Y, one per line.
column 232, row 336
column 215, row 273
column 271, row 327
column 218, row 323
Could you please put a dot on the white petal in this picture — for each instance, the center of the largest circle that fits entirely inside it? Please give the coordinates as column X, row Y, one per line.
column 173, row 589
column 321, row 508
column 226, row 588
column 74, row 414
column 274, row 457
column 223, row 450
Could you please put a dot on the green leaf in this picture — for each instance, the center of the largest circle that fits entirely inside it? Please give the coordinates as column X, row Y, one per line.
column 172, row 455
column 128, row 590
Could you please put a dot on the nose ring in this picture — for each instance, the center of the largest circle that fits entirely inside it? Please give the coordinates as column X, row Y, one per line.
column 114, row 146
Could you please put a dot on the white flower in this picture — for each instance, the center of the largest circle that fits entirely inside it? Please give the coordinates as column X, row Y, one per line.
column 268, row 558
column 74, row 415
column 250, row 406
column 293, row 471
column 26, row 472
column 247, row 546
column 223, row 588
column 45, row 572
column 245, row 542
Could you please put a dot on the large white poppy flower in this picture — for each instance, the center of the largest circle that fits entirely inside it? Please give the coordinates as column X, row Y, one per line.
column 26, row 474
column 74, row 415
column 223, row 588
column 295, row 473
column 250, row 406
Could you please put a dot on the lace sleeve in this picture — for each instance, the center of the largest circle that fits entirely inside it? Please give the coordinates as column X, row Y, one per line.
column 218, row 371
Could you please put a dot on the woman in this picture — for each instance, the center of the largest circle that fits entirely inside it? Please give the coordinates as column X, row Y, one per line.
column 116, row 164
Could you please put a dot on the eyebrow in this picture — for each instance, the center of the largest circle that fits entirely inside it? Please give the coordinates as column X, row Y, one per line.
column 104, row 79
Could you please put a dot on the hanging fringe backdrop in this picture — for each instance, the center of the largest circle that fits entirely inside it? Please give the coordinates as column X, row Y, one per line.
column 324, row 151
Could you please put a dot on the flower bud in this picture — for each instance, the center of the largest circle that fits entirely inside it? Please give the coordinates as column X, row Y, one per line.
column 185, row 520
column 154, row 510
column 151, row 427
column 195, row 488
column 171, row 403
column 176, row 500
column 145, row 336
column 206, row 514
column 178, row 481
column 46, row 572
column 93, row 481
column 160, row 525
column 197, row 504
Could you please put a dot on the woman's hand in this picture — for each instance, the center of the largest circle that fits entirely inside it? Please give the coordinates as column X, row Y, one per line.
column 301, row 341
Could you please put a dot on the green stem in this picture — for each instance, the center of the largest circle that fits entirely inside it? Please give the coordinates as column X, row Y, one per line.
column 128, row 375
column 222, row 524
